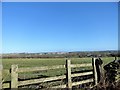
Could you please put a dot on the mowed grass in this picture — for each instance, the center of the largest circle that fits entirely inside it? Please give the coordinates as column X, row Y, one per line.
column 44, row 62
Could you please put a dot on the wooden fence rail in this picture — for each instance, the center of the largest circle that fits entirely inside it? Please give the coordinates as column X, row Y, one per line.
column 40, row 68
column 15, row 71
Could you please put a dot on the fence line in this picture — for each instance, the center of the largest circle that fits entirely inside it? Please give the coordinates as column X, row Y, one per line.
column 15, row 71
column 50, row 67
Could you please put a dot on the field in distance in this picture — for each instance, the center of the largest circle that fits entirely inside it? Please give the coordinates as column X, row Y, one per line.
column 47, row 61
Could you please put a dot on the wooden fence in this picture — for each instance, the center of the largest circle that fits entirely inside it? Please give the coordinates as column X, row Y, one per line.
column 15, row 83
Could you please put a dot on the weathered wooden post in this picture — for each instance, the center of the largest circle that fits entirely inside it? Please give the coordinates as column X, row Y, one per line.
column 94, row 71
column 14, row 76
column 1, row 68
column 98, row 70
column 68, row 74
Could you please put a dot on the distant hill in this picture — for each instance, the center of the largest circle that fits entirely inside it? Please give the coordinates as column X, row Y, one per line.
column 75, row 54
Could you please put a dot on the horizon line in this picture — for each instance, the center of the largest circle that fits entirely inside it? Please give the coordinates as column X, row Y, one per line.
column 58, row 51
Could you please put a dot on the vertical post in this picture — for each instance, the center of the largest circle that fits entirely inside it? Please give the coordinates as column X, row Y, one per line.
column 100, row 71
column 94, row 71
column 1, row 67
column 68, row 74
column 14, row 76
column 102, row 78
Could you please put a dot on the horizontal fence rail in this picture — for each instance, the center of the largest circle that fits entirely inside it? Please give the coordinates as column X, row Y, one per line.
column 40, row 68
column 60, row 86
column 81, row 65
column 82, row 74
column 82, row 82
column 6, row 85
column 34, row 81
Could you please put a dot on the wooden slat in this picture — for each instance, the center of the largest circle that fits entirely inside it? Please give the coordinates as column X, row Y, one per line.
column 34, row 81
column 6, row 70
column 82, row 74
column 94, row 71
column 6, row 85
column 82, row 82
column 14, row 76
column 40, row 68
column 81, row 65
column 60, row 86
column 68, row 73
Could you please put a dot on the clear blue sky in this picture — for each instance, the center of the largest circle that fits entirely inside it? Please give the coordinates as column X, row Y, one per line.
column 47, row 27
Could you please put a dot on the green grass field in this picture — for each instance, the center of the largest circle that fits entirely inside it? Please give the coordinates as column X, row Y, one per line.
column 47, row 62
column 44, row 62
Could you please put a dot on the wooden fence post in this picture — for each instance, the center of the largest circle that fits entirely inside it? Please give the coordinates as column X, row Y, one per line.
column 68, row 74
column 94, row 71
column 1, row 68
column 14, row 76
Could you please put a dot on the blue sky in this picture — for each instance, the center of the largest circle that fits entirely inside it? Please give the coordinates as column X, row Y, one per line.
column 49, row 27
column 0, row 27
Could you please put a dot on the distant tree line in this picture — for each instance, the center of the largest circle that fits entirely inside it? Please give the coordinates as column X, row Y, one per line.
column 63, row 55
